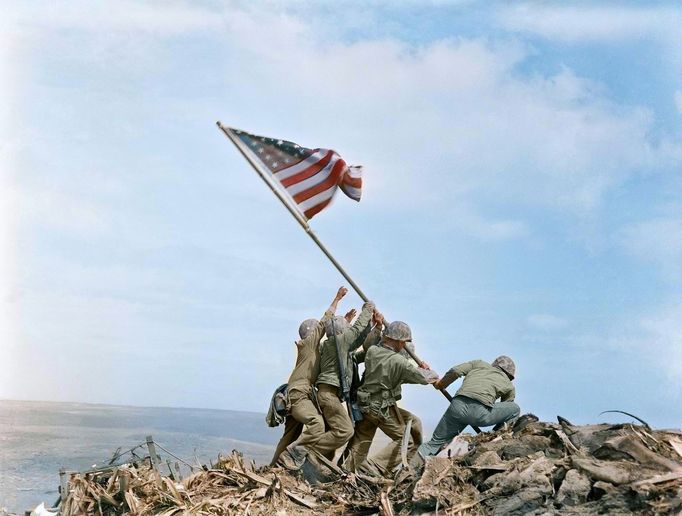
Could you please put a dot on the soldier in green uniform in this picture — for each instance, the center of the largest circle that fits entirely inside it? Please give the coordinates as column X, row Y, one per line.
column 385, row 371
column 305, row 425
column 474, row 404
column 342, row 339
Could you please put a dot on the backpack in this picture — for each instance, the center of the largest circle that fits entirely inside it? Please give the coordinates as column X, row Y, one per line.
column 278, row 411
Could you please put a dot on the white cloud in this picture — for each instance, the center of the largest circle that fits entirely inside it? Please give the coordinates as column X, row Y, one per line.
column 662, row 341
column 657, row 241
column 452, row 119
column 161, row 18
column 657, row 338
column 53, row 209
column 546, row 322
column 590, row 23
column 435, row 123
column 11, row 76
column 579, row 24
column 465, row 219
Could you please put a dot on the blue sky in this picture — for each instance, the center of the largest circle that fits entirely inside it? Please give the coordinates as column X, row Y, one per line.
column 522, row 195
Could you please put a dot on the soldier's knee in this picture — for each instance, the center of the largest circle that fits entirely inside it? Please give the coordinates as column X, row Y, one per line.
column 316, row 421
column 515, row 410
column 346, row 434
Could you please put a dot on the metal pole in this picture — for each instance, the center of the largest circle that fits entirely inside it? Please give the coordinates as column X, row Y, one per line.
column 304, row 224
column 293, row 210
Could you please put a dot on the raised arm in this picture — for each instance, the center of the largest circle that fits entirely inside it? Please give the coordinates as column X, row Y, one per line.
column 314, row 337
column 335, row 302
column 351, row 337
column 373, row 337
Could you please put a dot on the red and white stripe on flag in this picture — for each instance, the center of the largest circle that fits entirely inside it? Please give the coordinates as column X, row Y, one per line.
column 311, row 177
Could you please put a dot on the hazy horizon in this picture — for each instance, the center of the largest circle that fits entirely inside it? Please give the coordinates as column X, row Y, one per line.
column 37, row 438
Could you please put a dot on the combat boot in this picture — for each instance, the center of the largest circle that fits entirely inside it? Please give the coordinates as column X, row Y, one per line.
column 293, row 457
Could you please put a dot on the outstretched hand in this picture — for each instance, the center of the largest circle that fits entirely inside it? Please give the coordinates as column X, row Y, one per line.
column 430, row 377
column 350, row 315
column 341, row 293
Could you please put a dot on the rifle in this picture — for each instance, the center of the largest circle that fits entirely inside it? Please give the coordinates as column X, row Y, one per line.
column 354, row 414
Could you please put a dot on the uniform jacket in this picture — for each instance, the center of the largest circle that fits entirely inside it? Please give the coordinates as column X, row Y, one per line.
column 385, row 372
column 482, row 382
column 347, row 341
column 307, row 366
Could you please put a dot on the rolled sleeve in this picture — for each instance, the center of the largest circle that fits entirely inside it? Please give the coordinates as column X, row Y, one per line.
column 413, row 375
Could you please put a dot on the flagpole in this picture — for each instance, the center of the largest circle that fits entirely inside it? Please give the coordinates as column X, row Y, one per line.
column 292, row 210
column 306, row 227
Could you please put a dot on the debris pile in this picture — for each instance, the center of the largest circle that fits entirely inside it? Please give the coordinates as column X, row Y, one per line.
column 533, row 468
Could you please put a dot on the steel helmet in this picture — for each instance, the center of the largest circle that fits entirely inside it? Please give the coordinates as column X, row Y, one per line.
column 398, row 330
column 506, row 364
column 336, row 325
column 306, row 327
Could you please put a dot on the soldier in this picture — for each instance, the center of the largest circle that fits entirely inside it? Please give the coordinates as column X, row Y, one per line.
column 342, row 339
column 303, row 410
column 474, row 404
column 385, row 371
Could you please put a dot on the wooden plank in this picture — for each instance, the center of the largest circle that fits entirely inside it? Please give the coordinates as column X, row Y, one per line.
column 675, row 475
column 264, row 481
column 63, row 484
column 154, row 460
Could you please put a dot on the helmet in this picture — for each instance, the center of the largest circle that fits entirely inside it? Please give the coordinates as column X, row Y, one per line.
column 506, row 364
column 398, row 330
column 336, row 325
column 306, row 327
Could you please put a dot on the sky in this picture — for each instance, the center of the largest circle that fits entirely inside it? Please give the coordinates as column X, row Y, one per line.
column 522, row 179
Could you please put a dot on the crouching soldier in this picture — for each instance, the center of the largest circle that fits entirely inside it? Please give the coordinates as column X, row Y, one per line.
column 303, row 412
column 385, row 371
column 474, row 404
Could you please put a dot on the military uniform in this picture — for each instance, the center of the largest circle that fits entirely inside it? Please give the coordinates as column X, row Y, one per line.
column 340, row 426
column 385, row 371
column 474, row 403
column 304, row 422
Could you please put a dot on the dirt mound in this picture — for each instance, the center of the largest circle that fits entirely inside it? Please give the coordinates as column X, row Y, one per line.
column 534, row 468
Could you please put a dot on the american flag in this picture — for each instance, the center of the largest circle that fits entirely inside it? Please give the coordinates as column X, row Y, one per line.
column 309, row 176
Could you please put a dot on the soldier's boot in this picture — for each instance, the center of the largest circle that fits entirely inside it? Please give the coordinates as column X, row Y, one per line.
column 293, row 457
column 417, row 463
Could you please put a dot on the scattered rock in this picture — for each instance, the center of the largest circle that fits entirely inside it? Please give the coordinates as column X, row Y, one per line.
column 574, row 489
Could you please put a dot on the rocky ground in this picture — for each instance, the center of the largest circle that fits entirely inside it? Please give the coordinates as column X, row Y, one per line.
column 533, row 468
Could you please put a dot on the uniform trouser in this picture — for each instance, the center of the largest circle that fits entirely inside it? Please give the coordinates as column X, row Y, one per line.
column 304, row 425
column 292, row 429
column 393, row 425
column 465, row 411
column 340, row 427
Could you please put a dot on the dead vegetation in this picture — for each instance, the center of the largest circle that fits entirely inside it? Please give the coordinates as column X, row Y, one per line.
column 535, row 468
